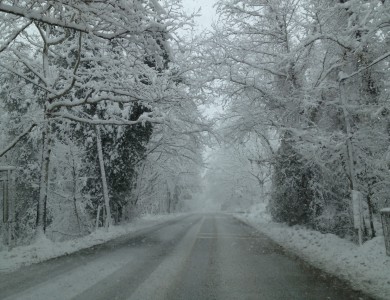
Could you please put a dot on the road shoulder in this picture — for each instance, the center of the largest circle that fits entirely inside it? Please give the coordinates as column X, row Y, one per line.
column 365, row 268
column 44, row 249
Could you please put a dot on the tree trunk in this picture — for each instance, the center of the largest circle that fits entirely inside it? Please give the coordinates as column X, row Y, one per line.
column 46, row 149
column 44, row 181
column 74, row 194
column 350, row 152
column 98, row 217
column 107, row 221
column 168, row 200
column 371, row 212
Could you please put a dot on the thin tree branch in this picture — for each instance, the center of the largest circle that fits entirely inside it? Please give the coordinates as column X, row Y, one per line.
column 376, row 61
column 14, row 36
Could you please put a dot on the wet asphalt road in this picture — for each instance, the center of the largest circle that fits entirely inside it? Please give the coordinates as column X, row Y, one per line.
column 211, row 256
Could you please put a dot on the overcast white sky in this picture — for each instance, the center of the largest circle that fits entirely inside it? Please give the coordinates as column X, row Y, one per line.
column 207, row 11
column 208, row 15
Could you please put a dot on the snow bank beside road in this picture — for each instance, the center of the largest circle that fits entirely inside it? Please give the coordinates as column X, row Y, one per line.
column 367, row 268
column 44, row 249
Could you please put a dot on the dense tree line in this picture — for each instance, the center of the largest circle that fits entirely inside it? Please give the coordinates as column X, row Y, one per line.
column 313, row 74
column 88, row 88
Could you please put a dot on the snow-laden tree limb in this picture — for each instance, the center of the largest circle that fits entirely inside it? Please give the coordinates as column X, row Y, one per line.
column 17, row 139
column 14, row 35
column 103, row 31
column 376, row 61
column 145, row 117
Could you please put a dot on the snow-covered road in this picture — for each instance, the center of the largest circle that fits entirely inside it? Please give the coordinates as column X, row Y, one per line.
column 209, row 256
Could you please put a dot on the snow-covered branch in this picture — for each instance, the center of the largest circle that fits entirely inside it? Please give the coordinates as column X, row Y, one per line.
column 102, row 31
column 145, row 117
column 14, row 35
column 343, row 76
column 17, row 139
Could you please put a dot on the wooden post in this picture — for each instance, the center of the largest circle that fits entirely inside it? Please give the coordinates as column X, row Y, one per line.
column 8, row 203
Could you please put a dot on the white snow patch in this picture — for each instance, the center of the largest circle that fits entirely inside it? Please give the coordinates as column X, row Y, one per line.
column 367, row 267
column 43, row 249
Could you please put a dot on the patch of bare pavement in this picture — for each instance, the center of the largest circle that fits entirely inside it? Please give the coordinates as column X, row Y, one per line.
column 202, row 256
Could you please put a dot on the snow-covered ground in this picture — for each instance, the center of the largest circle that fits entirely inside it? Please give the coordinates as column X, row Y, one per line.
column 367, row 268
column 44, row 249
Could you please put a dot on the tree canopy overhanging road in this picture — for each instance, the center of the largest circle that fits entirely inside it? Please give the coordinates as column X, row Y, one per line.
column 115, row 110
